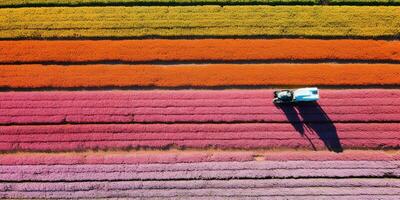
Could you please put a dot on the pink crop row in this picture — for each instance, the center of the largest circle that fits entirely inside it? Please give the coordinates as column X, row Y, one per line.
column 201, row 103
column 87, row 137
column 126, row 158
column 239, row 109
column 247, row 136
column 189, row 95
column 326, row 156
column 204, row 118
column 193, row 128
column 223, row 110
column 302, row 143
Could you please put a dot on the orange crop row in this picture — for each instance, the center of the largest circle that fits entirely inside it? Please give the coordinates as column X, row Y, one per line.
column 196, row 50
column 35, row 76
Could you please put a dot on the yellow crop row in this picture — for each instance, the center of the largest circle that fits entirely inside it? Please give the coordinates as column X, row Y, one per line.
column 201, row 21
column 53, row 3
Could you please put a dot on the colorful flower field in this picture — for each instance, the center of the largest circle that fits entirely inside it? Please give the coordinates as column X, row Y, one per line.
column 172, row 99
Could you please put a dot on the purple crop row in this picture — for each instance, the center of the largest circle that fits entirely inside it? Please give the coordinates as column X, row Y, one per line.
column 126, row 195
column 224, row 193
column 198, row 184
column 207, row 170
column 209, row 192
column 196, row 167
column 200, row 180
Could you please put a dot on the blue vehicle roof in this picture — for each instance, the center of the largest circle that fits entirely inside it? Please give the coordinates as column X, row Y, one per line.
column 306, row 94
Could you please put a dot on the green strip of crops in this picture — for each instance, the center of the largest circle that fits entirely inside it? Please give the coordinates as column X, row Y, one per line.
column 41, row 3
column 200, row 21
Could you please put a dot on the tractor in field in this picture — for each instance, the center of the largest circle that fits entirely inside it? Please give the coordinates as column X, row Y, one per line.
column 296, row 96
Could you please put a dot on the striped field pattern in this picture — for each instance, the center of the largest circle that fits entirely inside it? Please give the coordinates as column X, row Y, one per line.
column 172, row 99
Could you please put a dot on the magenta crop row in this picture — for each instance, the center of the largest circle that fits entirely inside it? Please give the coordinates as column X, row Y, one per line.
column 241, row 136
column 191, row 106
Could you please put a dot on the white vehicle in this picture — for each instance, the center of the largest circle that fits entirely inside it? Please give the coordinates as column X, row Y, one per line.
column 294, row 96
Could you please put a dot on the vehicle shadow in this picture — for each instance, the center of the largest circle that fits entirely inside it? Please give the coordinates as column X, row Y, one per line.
column 310, row 118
